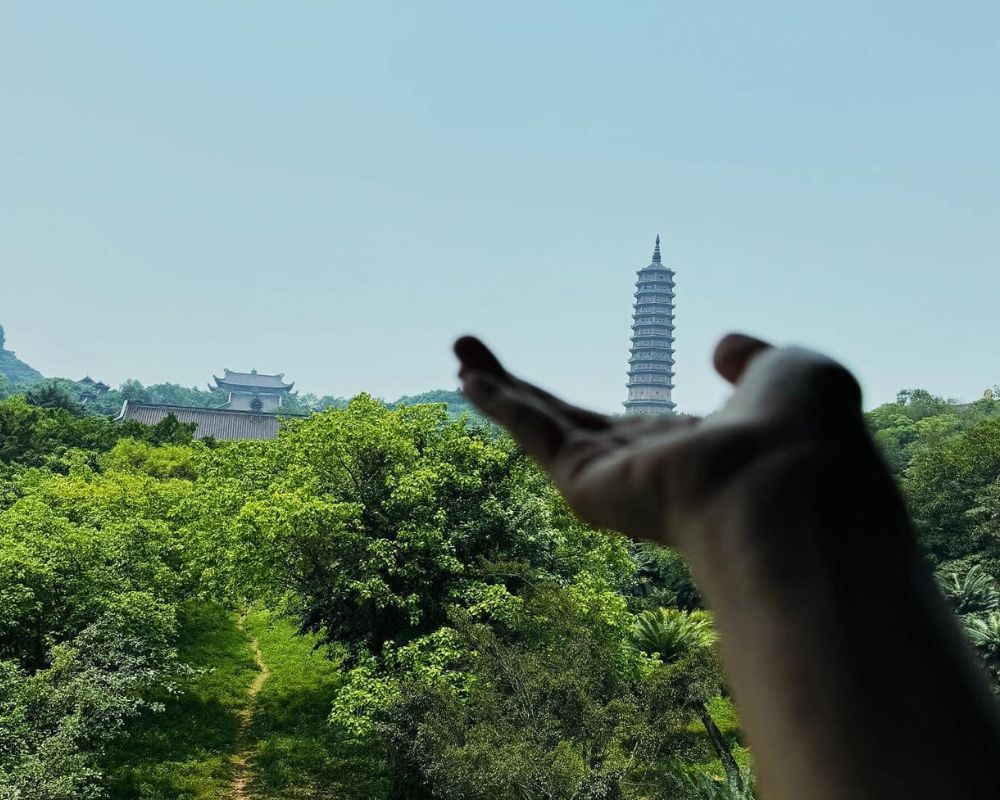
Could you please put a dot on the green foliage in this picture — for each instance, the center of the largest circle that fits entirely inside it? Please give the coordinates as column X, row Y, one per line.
column 661, row 579
column 454, row 401
column 918, row 420
column 672, row 634
column 463, row 634
column 296, row 403
column 54, row 394
column 556, row 707
column 46, row 437
column 15, row 371
column 715, row 787
column 383, row 519
column 171, row 394
column 55, row 722
column 984, row 633
column 480, row 636
column 298, row 752
column 947, row 457
column 975, row 592
column 943, row 482
column 183, row 752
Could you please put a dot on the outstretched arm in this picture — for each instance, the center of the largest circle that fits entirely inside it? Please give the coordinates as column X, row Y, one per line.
column 851, row 677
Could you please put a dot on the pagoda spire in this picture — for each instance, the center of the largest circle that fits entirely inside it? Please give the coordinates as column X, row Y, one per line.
column 656, row 251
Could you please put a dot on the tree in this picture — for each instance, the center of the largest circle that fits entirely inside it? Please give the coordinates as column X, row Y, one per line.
column 554, row 706
column 919, row 403
column 943, row 483
column 984, row 633
column 385, row 518
column 53, row 394
column 661, row 579
column 975, row 592
column 688, row 637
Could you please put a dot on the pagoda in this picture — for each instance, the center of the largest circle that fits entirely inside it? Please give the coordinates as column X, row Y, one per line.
column 252, row 391
column 651, row 360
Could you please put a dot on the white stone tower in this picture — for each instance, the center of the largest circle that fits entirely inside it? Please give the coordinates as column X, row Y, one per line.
column 651, row 360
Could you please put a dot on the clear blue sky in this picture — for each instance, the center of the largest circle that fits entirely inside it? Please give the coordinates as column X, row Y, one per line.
column 334, row 190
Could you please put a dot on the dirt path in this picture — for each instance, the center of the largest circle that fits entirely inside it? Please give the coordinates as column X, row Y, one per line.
column 241, row 758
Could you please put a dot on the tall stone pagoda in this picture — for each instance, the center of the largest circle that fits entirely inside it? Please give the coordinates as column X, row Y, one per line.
column 252, row 391
column 651, row 360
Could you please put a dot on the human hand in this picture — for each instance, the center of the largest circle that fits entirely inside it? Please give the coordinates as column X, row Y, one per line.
column 649, row 477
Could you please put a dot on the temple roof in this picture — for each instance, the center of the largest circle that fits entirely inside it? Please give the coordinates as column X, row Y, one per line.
column 254, row 380
column 219, row 424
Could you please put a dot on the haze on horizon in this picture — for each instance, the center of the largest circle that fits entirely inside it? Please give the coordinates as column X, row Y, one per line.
column 335, row 192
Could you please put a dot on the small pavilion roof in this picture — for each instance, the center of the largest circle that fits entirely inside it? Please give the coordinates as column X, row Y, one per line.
column 88, row 381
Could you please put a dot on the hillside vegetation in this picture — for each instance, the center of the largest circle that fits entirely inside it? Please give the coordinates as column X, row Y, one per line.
column 384, row 603
column 13, row 371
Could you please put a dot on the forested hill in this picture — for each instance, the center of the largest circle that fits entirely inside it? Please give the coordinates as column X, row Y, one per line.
column 454, row 399
column 385, row 604
column 12, row 368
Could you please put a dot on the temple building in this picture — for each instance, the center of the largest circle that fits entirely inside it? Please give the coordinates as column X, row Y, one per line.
column 651, row 359
column 252, row 408
column 88, row 389
column 252, row 391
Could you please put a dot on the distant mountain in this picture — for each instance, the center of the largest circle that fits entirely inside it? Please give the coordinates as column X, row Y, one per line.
column 12, row 368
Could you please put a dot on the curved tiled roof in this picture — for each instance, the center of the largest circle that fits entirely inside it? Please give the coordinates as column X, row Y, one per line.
column 254, row 379
column 217, row 423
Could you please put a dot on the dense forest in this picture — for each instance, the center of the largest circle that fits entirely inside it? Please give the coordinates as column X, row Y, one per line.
column 383, row 602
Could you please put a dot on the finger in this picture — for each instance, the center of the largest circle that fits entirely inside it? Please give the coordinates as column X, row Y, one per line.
column 591, row 420
column 734, row 352
column 477, row 357
column 534, row 426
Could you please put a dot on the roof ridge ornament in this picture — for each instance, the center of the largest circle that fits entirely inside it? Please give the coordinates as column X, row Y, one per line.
column 656, row 251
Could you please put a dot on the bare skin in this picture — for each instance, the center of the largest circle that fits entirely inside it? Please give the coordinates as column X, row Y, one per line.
column 851, row 677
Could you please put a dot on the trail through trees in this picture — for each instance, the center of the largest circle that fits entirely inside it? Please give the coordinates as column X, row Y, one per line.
column 244, row 746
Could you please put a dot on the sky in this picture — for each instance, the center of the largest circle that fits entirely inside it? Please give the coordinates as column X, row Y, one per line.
column 335, row 190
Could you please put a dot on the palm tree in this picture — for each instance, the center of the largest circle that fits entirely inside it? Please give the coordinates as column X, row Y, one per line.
column 672, row 635
column 973, row 593
column 984, row 633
